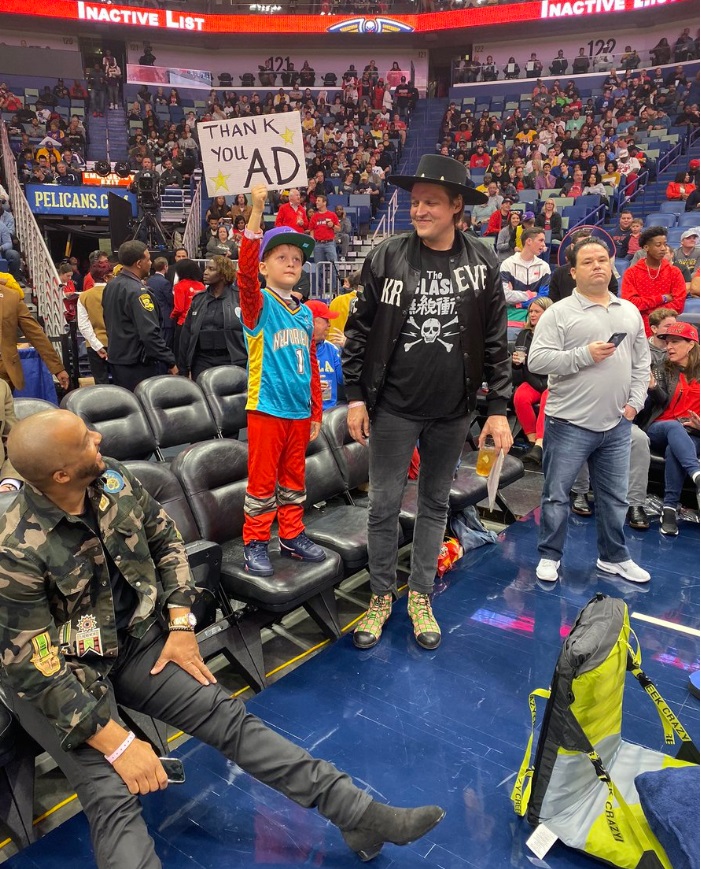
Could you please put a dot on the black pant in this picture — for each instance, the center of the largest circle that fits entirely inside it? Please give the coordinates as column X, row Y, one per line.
column 119, row 835
column 130, row 376
column 99, row 367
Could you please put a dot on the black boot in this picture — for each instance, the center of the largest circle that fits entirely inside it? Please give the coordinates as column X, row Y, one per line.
column 382, row 824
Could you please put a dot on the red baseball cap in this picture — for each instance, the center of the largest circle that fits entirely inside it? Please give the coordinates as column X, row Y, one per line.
column 680, row 330
column 321, row 309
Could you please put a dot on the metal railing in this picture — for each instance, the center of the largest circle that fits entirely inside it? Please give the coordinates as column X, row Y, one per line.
column 385, row 227
column 193, row 227
column 41, row 270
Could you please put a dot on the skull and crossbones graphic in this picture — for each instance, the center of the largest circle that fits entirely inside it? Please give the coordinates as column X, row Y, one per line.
column 429, row 332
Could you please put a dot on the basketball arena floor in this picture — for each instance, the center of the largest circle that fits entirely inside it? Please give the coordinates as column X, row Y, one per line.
column 414, row 727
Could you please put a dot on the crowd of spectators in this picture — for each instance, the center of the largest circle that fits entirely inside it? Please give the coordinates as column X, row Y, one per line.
column 570, row 145
column 473, row 69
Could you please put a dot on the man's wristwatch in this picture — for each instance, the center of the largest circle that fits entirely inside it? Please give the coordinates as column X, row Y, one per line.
column 183, row 623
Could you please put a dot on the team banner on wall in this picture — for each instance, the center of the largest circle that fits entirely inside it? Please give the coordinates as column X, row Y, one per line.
column 427, row 22
column 197, row 79
column 239, row 153
column 75, row 201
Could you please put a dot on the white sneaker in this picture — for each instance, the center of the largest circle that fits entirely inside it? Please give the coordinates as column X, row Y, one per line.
column 627, row 569
column 547, row 570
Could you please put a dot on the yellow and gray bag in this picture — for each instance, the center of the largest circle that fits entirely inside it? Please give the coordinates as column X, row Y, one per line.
column 581, row 788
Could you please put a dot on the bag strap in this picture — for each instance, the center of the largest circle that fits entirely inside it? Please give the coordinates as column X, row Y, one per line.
column 671, row 725
column 521, row 793
column 609, row 811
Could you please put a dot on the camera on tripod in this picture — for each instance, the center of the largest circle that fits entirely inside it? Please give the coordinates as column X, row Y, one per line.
column 147, row 190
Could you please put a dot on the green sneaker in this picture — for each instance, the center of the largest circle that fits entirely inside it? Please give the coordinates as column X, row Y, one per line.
column 369, row 628
column 426, row 628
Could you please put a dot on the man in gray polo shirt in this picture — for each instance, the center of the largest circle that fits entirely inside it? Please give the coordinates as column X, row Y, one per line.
column 596, row 388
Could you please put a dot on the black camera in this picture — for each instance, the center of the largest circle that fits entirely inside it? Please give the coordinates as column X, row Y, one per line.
column 147, row 189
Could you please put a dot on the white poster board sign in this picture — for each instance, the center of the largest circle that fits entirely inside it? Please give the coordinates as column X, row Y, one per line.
column 239, row 153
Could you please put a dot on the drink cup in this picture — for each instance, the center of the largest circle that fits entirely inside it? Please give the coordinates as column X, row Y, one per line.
column 519, row 356
column 486, row 458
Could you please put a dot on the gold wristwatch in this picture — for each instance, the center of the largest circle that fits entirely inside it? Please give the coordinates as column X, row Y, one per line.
column 183, row 623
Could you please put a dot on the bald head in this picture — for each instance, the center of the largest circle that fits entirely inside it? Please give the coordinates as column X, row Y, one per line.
column 53, row 448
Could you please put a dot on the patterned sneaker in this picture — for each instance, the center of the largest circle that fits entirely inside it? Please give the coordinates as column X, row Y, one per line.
column 369, row 628
column 426, row 629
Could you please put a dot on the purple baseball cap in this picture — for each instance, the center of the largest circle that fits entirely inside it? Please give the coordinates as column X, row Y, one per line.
column 287, row 235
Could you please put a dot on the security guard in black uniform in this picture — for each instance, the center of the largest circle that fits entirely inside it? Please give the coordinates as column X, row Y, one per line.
column 137, row 347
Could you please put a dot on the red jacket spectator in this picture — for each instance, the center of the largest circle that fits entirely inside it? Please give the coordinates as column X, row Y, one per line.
column 647, row 290
column 296, row 218
column 321, row 231
column 183, row 292
column 498, row 220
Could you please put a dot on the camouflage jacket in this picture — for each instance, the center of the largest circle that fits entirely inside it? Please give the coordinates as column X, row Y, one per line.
column 58, row 639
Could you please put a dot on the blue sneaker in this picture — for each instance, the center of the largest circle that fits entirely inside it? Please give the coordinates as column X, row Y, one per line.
column 256, row 557
column 302, row 547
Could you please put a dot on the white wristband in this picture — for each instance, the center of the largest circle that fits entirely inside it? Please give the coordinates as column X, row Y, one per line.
column 118, row 752
column 353, row 404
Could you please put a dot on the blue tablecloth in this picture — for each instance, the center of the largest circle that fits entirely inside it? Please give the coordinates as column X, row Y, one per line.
column 38, row 382
column 691, row 311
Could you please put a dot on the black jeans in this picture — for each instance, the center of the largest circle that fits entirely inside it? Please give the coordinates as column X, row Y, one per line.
column 392, row 441
column 99, row 367
column 119, row 835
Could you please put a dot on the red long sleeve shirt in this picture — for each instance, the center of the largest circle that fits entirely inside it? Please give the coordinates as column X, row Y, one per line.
column 645, row 288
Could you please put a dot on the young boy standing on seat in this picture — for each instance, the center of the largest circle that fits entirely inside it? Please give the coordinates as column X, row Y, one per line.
column 284, row 391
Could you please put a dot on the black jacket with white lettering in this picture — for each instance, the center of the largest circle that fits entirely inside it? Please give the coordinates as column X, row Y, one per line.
column 390, row 276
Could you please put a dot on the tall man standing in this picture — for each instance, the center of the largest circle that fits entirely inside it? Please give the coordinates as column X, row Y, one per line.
column 137, row 348
column 427, row 330
column 596, row 388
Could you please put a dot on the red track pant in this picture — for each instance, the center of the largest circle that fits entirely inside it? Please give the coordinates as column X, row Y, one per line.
column 276, row 451
column 525, row 399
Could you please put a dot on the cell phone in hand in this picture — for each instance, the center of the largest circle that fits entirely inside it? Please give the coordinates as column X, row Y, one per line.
column 617, row 337
column 174, row 769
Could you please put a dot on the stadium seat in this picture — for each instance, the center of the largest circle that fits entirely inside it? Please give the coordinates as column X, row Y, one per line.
column 117, row 415
column 621, row 266
column 177, row 411
column 224, row 389
column 213, row 477
column 690, row 218
column 674, row 236
column 25, row 407
column 658, row 218
column 17, row 754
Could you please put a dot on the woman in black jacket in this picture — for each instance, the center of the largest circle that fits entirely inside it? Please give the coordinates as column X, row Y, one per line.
column 549, row 219
column 530, row 389
column 212, row 333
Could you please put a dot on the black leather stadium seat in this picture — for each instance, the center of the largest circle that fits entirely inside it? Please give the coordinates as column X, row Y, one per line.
column 176, row 410
column 353, row 458
column 117, row 415
column 213, row 476
column 25, row 407
column 17, row 754
column 338, row 526
column 230, row 636
column 224, row 389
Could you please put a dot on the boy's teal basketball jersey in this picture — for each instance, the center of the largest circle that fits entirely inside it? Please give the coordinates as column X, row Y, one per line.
column 279, row 370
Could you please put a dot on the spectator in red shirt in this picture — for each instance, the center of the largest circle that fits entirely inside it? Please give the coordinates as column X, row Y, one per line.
column 652, row 282
column 480, row 159
column 500, row 218
column 323, row 227
column 292, row 213
column 98, row 268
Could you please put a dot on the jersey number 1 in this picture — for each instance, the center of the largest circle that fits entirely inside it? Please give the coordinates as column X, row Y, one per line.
column 300, row 361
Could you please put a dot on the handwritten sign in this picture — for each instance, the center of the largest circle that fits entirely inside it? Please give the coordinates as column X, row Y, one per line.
column 239, row 153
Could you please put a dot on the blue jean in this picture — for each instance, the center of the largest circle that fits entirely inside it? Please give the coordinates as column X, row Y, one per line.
column 392, row 441
column 681, row 452
column 565, row 449
column 325, row 252
column 14, row 262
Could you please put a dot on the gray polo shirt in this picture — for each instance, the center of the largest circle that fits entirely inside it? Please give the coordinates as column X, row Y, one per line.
column 584, row 393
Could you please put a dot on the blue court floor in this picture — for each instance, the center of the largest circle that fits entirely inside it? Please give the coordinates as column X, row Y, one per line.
column 446, row 727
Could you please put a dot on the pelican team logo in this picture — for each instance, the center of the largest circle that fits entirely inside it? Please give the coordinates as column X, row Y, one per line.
column 370, row 25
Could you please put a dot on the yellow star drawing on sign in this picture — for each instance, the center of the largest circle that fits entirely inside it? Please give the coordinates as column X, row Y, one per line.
column 288, row 136
column 220, row 181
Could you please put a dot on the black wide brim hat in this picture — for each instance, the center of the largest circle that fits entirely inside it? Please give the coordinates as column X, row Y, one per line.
column 448, row 173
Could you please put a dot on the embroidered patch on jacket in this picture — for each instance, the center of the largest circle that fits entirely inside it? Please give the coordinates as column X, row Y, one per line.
column 45, row 657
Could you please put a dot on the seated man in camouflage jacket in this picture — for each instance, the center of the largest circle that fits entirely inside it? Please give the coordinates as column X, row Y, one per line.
column 95, row 596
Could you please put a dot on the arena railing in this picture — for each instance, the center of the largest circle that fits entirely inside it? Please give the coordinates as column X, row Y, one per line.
column 41, row 270
column 193, row 226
